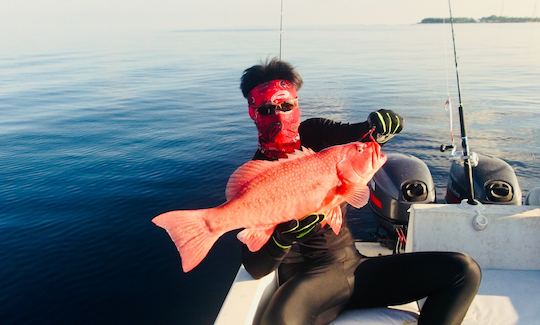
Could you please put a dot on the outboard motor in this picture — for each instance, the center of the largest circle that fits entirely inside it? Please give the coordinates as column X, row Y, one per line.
column 401, row 181
column 494, row 182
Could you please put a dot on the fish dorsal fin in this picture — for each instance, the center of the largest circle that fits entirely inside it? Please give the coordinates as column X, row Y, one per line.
column 251, row 169
column 358, row 196
column 298, row 154
column 244, row 174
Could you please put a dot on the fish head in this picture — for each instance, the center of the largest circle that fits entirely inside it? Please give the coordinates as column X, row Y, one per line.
column 365, row 158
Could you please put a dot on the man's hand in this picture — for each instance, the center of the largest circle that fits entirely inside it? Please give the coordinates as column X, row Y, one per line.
column 386, row 124
column 289, row 232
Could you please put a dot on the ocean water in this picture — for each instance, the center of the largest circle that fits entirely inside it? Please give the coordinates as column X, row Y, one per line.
column 99, row 135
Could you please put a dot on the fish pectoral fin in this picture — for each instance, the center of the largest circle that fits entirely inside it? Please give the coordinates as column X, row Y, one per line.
column 346, row 173
column 334, row 218
column 255, row 238
column 358, row 196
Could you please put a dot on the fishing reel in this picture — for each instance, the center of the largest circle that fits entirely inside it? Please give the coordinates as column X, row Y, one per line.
column 445, row 147
column 460, row 157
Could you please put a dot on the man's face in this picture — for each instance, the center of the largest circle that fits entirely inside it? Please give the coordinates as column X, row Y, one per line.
column 271, row 96
column 273, row 106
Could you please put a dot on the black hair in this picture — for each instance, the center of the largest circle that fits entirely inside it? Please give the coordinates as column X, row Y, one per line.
column 270, row 70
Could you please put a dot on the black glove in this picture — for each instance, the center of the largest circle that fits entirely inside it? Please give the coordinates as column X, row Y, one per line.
column 289, row 232
column 386, row 124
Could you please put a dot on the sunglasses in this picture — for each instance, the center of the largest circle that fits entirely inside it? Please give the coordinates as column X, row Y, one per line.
column 270, row 109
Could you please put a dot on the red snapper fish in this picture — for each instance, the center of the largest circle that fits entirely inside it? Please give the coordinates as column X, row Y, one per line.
column 262, row 194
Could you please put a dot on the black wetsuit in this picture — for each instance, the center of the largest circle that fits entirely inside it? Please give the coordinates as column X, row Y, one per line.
column 325, row 274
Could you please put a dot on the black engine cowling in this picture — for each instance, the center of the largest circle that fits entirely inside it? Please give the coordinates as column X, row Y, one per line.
column 494, row 182
column 401, row 181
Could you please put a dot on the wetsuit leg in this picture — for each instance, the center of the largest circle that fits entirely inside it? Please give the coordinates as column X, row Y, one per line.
column 448, row 280
column 314, row 296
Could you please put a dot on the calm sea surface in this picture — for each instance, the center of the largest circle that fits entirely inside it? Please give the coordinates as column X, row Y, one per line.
column 99, row 135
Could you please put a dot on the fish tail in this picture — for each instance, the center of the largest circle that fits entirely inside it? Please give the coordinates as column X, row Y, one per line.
column 190, row 233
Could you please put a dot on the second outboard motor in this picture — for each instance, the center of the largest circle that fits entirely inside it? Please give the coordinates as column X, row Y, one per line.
column 494, row 182
column 401, row 181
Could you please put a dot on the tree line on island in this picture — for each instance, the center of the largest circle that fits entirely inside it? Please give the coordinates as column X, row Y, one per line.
column 489, row 19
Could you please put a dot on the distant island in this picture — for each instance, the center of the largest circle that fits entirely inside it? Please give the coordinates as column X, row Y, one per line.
column 489, row 19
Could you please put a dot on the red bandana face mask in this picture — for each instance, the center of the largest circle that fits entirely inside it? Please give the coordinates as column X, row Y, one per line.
column 273, row 106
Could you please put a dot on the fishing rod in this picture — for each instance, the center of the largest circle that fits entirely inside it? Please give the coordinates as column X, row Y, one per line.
column 280, row 28
column 467, row 158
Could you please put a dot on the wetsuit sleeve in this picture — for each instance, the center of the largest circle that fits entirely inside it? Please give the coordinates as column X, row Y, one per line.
column 263, row 261
column 320, row 133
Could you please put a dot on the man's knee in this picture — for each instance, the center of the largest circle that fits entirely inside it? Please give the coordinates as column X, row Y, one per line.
column 468, row 270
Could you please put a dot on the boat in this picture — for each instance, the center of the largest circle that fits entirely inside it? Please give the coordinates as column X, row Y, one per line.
column 482, row 214
column 499, row 232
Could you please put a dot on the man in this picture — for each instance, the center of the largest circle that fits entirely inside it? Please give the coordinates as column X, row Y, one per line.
column 321, row 273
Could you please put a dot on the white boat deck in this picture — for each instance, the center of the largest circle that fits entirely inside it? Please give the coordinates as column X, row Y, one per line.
column 506, row 248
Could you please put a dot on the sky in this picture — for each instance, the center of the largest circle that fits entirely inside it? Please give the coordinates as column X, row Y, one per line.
column 27, row 16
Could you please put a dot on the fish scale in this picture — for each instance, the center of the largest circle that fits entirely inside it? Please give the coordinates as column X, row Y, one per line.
column 319, row 177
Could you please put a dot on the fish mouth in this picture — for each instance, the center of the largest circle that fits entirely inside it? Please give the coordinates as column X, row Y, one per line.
column 372, row 158
column 378, row 158
column 376, row 155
